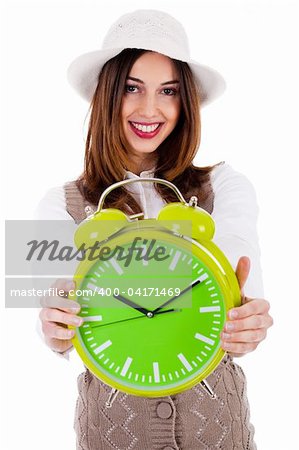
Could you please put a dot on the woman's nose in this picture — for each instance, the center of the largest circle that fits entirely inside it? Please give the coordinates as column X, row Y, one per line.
column 149, row 106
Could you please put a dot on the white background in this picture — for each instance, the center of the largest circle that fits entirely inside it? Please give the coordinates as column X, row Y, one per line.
column 254, row 44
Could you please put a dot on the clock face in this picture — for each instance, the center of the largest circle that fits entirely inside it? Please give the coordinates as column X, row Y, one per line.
column 152, row 327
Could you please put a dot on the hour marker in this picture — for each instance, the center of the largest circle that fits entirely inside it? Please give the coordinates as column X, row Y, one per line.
column 205, row 339
column 203, row 277
column 156, row 372
column 143, row 253
column 93, row 280
column 92, row 287
column 116, row 266
column 206, row 309
column 102, row 347
column 126, row 366
column 175, row 260
column 184, row 361
column 93, row 319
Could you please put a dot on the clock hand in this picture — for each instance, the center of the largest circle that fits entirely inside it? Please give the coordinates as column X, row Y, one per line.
column 192, row 285
column 128, row 302
column 133, row 318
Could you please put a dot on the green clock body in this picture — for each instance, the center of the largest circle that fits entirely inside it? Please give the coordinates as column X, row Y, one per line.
column 176, row 347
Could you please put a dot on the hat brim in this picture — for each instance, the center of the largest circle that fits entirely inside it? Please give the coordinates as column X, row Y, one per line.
column 83, row 74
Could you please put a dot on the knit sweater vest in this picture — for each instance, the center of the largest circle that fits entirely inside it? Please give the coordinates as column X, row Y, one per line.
column 191, row 420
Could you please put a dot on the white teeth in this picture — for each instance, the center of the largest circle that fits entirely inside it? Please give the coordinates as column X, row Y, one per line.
column 145, row 128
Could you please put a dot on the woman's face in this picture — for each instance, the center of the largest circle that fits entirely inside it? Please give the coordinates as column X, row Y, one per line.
column 151, row 103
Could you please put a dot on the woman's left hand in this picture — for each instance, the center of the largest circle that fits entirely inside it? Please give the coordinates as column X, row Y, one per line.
column 247, row 324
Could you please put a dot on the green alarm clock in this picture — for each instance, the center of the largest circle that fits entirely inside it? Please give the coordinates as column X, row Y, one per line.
column 154, row 296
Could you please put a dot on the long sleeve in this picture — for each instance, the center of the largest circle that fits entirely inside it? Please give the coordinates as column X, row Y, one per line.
column 52, row 207
column 235, row 214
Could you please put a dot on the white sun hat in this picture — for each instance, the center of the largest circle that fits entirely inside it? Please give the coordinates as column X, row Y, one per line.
column 149, row 30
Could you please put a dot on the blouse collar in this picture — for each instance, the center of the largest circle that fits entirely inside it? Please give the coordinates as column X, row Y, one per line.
column 144, row 174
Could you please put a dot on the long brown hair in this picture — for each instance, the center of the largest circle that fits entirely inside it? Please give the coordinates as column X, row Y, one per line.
column 107, row 152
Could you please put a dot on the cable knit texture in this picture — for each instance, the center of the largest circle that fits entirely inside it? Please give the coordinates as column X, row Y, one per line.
column 193, row 420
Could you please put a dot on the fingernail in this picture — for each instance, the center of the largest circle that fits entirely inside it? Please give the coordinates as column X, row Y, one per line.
column 70, row 285
column 229, row 326
column 77, row 321
column 225, row 335
column 74, row 309
column 70, row 333
column 225, row 345
column 233, row 314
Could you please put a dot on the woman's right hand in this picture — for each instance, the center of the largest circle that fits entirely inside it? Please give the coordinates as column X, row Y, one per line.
column 56, row 314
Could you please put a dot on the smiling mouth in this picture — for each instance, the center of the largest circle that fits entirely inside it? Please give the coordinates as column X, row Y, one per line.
column 145, row 130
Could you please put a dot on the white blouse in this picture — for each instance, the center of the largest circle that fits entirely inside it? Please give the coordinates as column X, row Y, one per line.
column 235, row 214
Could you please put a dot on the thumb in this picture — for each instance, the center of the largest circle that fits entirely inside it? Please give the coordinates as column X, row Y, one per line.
column 242, row 271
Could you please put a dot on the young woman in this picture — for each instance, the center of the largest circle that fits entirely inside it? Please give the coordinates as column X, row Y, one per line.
column 146, row 94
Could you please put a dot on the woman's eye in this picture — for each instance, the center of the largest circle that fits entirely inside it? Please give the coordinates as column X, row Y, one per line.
column 170, row 91
column 130, row 88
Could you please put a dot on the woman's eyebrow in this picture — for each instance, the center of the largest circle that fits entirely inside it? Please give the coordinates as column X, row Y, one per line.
column 162, row 84
column 170, row 82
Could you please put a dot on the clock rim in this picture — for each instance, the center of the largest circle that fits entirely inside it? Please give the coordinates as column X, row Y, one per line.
column 227, row 280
